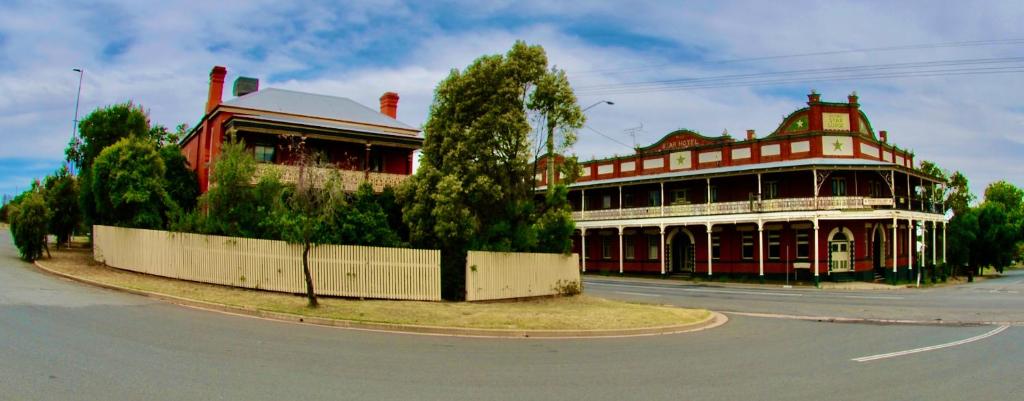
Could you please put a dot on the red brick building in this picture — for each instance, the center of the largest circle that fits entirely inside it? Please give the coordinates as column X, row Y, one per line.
column 365, row 144
column 823, row 196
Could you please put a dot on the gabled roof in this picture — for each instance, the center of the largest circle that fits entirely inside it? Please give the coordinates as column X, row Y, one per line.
column 313, row 105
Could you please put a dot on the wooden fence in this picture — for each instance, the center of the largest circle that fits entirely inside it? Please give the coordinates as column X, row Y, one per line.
column 499, row 275
column 338, row 270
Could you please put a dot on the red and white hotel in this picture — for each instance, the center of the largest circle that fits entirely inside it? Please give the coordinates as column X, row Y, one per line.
column 823, row 196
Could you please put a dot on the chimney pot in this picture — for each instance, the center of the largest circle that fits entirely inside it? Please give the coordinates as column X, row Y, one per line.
column 389, row 104
column 216, row 87
column 751, row 135
column 884, row 136
column 244, row 86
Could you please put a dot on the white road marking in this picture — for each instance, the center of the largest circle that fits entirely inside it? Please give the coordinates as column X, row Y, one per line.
column 868, row 297
column 638, row 293
column 933, row 347
column 779, row 294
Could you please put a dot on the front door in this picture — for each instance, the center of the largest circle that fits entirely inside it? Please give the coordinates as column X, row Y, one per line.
column 840, row 256
column 682, row 254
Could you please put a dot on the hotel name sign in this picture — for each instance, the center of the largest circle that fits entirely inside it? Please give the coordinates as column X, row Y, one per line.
column 835, row 121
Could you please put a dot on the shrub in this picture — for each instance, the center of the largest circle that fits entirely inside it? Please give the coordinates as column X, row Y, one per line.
column 128, row 185
column 29, row 219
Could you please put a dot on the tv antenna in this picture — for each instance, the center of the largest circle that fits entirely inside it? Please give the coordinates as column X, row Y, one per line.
column 633, row 131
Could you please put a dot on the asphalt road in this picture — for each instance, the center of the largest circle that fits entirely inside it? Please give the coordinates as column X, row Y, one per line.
column 61, row 340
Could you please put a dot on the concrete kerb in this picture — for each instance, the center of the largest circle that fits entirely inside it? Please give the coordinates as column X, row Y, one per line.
column 836, row 319
column 714, row 320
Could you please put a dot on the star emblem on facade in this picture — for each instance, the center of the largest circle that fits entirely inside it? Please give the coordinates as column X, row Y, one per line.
column 799, row 123
column 838, row 145
column 681, row 159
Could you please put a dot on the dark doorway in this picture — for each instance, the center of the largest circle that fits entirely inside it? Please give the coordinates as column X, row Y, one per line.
column 682, row 254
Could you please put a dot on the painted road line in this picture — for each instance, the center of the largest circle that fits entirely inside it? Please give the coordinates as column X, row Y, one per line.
column 779, row 294
column 637, row 293
column 869, row 297
column 998, row 330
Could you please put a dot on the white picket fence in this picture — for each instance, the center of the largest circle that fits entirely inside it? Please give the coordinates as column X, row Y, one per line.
column 338, row 270
column 501, row 275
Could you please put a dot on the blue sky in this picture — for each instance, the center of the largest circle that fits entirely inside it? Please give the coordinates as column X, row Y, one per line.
column 161, row 57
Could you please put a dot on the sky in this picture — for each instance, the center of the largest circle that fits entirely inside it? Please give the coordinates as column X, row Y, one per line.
column 160, row 56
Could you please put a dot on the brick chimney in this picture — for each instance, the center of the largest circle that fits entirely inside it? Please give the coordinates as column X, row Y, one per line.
column 884, row 136
column 216, row 87
column 751, row 135
column 389, row 104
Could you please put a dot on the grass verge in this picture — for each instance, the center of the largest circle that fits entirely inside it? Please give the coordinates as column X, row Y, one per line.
column 560, row 313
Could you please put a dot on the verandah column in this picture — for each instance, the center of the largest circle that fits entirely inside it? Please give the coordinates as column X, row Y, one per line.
column 910, row 247
column 934, row 227
column 622, row 254
column 895, row 249
column 662, row 256
column 710, row 257
column 760, row 249
column 944, row 224
column 816, row 279
column 583, row 249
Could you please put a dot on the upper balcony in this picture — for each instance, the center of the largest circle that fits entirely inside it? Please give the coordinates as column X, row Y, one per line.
column 753, row 206
column 350, row 179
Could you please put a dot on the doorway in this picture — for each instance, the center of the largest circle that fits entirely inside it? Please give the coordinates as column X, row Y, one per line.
column 683, row 258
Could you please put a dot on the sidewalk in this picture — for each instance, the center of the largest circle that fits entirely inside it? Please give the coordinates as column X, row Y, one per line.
column 824, row 285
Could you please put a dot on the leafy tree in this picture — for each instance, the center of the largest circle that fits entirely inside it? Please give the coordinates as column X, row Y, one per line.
column 555, row 225
column 962, row 237
column 997, row 238
column 61, row 195
column 180, row 181
column 128, row 185
column 1006, row 194
column 555, row 103
column 233, row 206
column 361, row 221
column 473, row 189
column 959, row 196
column 29, row 218
column 98, row 130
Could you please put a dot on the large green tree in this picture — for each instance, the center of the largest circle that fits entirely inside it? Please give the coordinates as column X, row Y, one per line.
column 233, row 206
column 100, row 129
column 473, row 188
column 128, row 186
column 29, row 218
column 61, row 195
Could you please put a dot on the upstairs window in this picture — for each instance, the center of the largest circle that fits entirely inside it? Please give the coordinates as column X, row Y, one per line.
column 606, row 202
column 263, row 153
column 654, row 198
column 838, row 186
column 376, row 162
column 714, row 194
column 771, row 190
column 627, row 200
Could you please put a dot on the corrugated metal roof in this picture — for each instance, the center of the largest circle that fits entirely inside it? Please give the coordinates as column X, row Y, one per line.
column 314, row 105
column 732, row 169
column 329, row 124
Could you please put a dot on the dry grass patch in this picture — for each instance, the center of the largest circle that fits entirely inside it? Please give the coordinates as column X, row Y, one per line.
column 561, row 313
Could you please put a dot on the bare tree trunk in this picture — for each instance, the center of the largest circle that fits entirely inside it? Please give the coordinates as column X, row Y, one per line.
column 309, row 277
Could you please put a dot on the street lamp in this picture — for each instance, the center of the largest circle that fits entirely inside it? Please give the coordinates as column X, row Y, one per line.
column 608, row 102
column 74, row 129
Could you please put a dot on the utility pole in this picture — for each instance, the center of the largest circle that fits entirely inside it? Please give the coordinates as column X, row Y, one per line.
column 74, row 129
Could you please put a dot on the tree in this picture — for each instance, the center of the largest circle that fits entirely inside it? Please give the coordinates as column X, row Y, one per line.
column 555, row 103
column 555, row 225
column 473, row 189
column 180, row 181
column 100, row 129
column 29, row 218
column 360, row 221
column 233, row 206
column 128, row 189
column 959, row 197
column 997, row 237
column 962, row 238
column 61, row 196
column 1006, row 194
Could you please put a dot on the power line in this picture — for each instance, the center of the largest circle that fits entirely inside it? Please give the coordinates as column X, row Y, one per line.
column 608, row 137
column 941, row 45
column 762, row 79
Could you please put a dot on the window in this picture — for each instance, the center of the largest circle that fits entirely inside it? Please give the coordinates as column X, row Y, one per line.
column 264, row 153
column 774, row 245
column 376, row 162
column 748, row 245
column 627, row 200
column 606, row 248
column 654, row 198
column 838, row 186
column 716, row 247
column 803, row 251
column 714, row 194
column 653, row 245
column 630, row 249
column 875, row 189
column 771, row 190
column 680, row 196
column 606, row 202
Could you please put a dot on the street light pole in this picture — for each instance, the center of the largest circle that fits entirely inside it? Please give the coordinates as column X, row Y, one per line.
column 608, row 102
column 74, row 129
